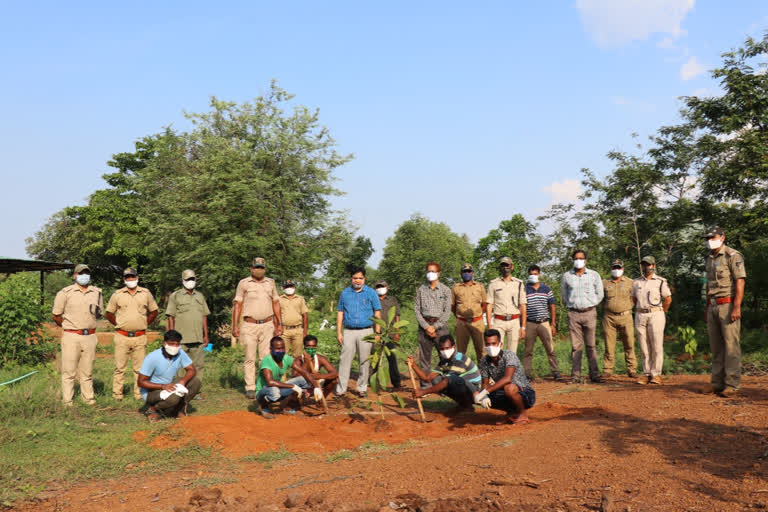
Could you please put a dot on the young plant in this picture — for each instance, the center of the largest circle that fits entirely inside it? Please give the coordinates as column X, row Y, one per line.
column 687, row 336
column 385, row 345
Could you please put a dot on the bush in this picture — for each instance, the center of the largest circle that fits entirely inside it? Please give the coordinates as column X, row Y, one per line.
column 21, row 316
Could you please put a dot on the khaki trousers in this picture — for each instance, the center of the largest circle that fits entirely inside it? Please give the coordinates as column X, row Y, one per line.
column 77, row 355
column 294, row 341
column 623, row 326
column 128, row 348
column 544, row 331
column 650, row 336
column 465, row 330
column 724, row 341
column 197, row 355
column 510, row 332
column 255, row 338
column 582, row 329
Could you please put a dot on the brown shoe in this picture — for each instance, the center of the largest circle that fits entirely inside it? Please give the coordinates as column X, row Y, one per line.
column 655, row 380
column 632, row 375
column 643, row 379
column 729, row 392
column 607, row 376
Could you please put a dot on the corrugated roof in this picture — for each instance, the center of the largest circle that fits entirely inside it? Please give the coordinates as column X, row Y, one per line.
column 12, row 265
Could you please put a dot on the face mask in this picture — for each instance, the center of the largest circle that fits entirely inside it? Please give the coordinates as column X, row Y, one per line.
column 713, row 243
column 466, row 276
column 533, row 278
column 648, row 270
column 132, row 284
column 189, row 284
column 278, row 355
column 381, row 291
column 578, row 264
column 431, row 276
column 289, row 291
column 258, row 273
column 447, row 354
column 83, row 279
column 617, row 272
column 493, row 350
column 357, row 286
column 505, row 271
column 311, row 351
column 172, row 350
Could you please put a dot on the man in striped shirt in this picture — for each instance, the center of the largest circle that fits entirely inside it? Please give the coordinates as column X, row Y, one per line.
column 541, row 322
column 582, row 291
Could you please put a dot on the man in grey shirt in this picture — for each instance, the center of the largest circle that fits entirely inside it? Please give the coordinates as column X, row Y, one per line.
column 433, row 308
column 582, row 291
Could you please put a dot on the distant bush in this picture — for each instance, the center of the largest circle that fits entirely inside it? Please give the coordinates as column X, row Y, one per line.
column 21, row 316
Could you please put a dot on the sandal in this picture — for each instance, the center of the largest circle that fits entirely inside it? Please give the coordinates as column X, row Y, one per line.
column 153, row 417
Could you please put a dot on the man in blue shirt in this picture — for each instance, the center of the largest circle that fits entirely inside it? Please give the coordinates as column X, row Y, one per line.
column 165, row 396
column 357, row 304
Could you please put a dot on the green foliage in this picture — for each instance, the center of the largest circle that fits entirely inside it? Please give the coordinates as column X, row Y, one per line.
column 687, row 336
column 383, row 345
column 21, row 316
column 516, row 238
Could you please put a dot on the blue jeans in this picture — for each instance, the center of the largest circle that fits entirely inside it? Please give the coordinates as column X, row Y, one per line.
column 499, row 399
column 275, row 394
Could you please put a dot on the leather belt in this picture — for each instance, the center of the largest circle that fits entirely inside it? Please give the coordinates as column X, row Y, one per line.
column 131, row 334
column 469, row 320
column 627, row 312
column 577, row 310
column 357, row 328
column 506, row 317
column 539, row 321
column 649, row 310
column 254, row 321
column 81, row 332
column 724, row 300
column 431, row 319
column 293, row 326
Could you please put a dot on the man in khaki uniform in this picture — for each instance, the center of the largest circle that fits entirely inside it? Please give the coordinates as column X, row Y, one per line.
column 187, row 313
column 617, row 320
column 506, row 305
column 652, row 297
column 468, row 301
column 726, row 278
column 131, row 309
column 296, row 323
column 76, row 310
column 258, row 304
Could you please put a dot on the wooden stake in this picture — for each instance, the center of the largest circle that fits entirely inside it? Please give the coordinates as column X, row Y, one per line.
column 418, row 400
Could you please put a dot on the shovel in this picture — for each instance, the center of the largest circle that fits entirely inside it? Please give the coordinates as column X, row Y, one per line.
column 418, row 400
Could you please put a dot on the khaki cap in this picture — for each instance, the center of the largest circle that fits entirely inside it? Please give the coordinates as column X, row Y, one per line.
column 288, row 283
column 188, row 274
column 649, row 260
column 259, row 262
column 82, row 266
column 714, row 231
column 467, row 266
column 506, row 259
column 130, row 271
column 381, row 283
column 617, row 263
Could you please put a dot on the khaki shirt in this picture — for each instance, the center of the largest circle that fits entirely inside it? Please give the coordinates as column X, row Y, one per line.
column 468, row 299
column 650, row 293
column 618, row 295
column 78, row 307
column 507, row 296
column 131, row 310
column 723, row 269
column 293, row 309
column 257, row 297
column 188, row 311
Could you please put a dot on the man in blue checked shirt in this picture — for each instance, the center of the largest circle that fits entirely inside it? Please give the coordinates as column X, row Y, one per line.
column 357, row 304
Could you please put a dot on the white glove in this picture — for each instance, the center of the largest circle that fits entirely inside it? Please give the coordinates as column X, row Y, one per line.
column 165, row 394
column 180, row 389
column 486, row 403
column 479, row 397
column 320, row 382
column 297, row 389
column 318, row 394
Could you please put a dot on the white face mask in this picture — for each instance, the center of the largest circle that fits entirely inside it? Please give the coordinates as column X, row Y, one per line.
column 289, row 291
column 617, row 272
column 83, row 279
column 431, row 276
column 172, row 350
column 381, row 291
column 493, row 350
column 132, row 284
column 447, row 354
column 533, row 278
column 714, row 243
column 189, row 284
column 577, row 264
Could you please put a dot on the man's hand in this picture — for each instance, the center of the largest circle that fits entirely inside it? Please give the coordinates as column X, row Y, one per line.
column 486, row 403
column 396, row 337
column 523, row 330
column 735, row 313
column 480, row 396
column 340, row 338
column 236, row 331
column 318, row 394
column 297, row 389
column 410, row 361
column 169, row 387
column 278, row 329
column 431, row 332
column 417, row 393
column 554, row 329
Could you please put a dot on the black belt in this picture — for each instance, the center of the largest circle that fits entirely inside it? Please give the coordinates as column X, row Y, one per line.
column 540, row 321
column 431, row 319
column 357, row 328
column 576, row 310
column 293, row 326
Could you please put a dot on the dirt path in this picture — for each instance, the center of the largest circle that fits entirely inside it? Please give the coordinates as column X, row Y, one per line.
column 640, row 448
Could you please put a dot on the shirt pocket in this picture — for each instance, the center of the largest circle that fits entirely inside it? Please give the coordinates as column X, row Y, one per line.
column 611, row 292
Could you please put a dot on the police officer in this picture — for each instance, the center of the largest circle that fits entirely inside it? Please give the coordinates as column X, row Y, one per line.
column 294, row 311
column 187, row 313
column 652, row 297
column 131, row 309
column 507, row 302
column 726, row 278
column 257, row 303
column 76, row 309
column 468, row 302
column 617, row 320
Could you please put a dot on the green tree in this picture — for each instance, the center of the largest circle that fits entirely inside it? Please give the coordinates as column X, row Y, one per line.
column 414, row 243
column 21, row 316
column 516, row 238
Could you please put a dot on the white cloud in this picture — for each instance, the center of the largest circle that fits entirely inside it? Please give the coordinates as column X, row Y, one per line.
column 691, row 69
column 614, row 23
column 566, row 191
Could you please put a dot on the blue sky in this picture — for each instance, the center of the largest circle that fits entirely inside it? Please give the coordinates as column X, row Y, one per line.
column 465, row 114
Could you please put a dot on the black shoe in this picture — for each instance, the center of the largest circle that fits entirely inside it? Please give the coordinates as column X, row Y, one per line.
column 557, row 376
column 574, row 380
column 596, row 379
column 530, row 378
column 338, row 396
column 250, row 395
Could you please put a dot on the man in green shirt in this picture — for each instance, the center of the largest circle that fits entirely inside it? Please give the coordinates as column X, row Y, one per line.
column 270, row 387
column 187, row 313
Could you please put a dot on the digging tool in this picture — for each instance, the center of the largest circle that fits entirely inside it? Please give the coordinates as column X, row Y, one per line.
column 325, row 404
column 418, row 400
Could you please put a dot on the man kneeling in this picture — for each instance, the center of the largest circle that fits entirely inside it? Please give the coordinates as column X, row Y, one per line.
column 456, row 375
column 504, row 380
column 270, row 387
column 312, row 362
column 165, row 396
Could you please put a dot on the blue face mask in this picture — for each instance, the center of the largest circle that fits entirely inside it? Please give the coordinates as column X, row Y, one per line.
column 466, row 276
column 277, row 355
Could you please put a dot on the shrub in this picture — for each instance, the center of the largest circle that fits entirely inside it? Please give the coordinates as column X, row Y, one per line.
column 21, row 316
